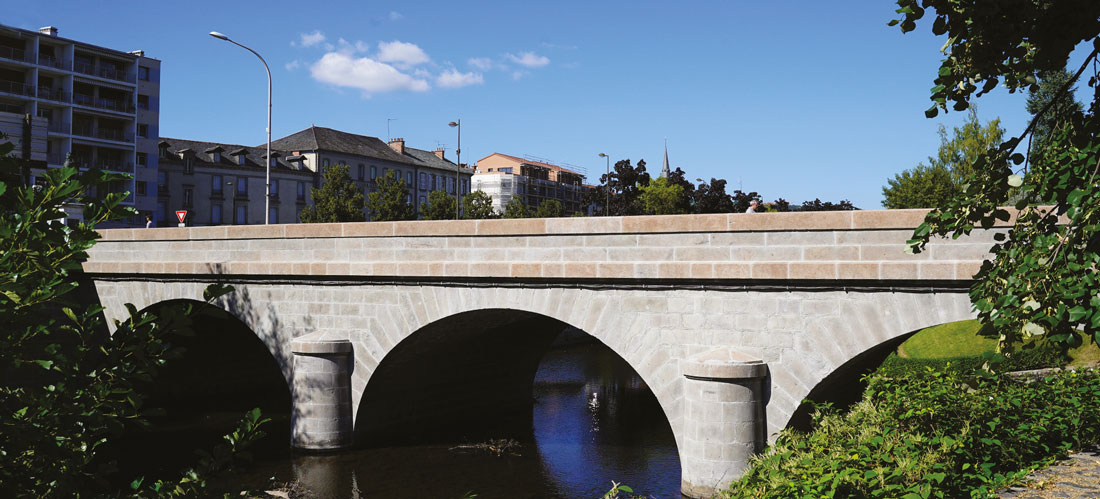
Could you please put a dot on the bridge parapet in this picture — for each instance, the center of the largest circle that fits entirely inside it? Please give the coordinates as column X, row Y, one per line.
column 860, row 246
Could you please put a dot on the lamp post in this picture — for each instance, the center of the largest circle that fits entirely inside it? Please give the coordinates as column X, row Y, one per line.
column 458, row 164
column 607, row 207
column 267, row 159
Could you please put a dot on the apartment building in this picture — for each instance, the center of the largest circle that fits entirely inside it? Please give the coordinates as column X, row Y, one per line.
column 220, row 183
column 98, row 106
column 368, row 158
column 503, row 177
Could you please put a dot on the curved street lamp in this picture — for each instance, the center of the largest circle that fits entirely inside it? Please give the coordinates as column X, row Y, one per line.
column 458, row 164
column 607, row 207
column 267, row 184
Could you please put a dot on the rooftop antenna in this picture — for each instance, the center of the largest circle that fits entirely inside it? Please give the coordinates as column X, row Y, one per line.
column 388, row 120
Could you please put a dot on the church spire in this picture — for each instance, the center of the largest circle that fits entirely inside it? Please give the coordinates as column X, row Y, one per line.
column 665, row 172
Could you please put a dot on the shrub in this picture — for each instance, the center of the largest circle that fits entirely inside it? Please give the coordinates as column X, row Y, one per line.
column 936, row 435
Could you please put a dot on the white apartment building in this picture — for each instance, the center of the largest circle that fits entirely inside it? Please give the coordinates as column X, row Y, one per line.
column 99, row 106
column 504, row 177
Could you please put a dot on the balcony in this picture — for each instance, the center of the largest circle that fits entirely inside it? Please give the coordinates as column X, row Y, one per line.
column 86, row 130
column 45, row 60
column 57, row 127
column 53, row 94
column 55, row 158
column 101, row 103
column 12, row 108
column 13, row 54
column 17, row 88
column 112, row 164
column 102, row 71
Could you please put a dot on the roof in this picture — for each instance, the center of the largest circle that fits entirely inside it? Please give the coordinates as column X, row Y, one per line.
column 429, row 159
column 253, row 155
column 555, row 168
column 317, row 138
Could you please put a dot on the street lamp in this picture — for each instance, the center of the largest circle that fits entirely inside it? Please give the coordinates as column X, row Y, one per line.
column 607, row 207
column 267, row 184
column 458, row 164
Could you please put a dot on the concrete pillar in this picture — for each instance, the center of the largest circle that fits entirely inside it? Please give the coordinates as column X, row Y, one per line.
column 724, row 422
column 320, row 417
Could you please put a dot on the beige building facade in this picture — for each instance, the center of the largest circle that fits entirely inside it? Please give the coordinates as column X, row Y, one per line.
column 504, row 177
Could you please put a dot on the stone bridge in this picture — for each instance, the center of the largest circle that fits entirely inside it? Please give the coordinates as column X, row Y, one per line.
column 730, row 319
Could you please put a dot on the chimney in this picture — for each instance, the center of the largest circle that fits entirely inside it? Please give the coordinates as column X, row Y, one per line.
column 439, row 152
column 398, row 145
column 48, row 30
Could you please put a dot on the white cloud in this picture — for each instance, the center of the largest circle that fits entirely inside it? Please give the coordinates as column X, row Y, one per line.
column 364, row 73
column 311, row 39
column 454, row 79
column 529, row 59
column 482, row 63
column 516, row 75
column 395, row 16
column 401, row 54
column 292, row 65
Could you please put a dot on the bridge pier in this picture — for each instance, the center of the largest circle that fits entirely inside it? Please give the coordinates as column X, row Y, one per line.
column 724, row 421
column 320, row 417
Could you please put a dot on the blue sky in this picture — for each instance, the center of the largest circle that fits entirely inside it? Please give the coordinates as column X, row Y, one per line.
column 789, row 99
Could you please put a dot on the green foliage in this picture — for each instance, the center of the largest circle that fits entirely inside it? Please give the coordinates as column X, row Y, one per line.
column 440, row 206
column 67, row 387
column 662, row 197
column 550, row 208
column 940, row 435
column 938, row 182
column 1059, row 114
column 712, row 198
column 516, row 208
column 1042, row 279
column 478, row 205
column 390, row 201
column 338, row 199
column 819, row 205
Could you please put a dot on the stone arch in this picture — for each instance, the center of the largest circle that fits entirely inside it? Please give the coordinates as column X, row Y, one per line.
column 863, row 328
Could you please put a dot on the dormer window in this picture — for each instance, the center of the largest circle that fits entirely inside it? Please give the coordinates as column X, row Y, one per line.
column 240, row 159
column 241, row 155
column 162, row 146
column 188, row 157
column 215, row 154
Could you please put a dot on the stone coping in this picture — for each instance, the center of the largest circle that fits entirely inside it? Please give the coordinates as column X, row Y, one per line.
column 724, row 364
column 316, row 344
column 719, row 222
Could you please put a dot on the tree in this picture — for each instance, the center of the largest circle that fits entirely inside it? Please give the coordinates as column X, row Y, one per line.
column 391, row 200
column 67, row 387
column 516, row 208
column 338, row 199
column 663, row 197
column 626, row 188
column 550, row 208
column 942, row 178
column 819, row 205
column 712, row 198
column 677, row 177
column 739, row 201
column 1061, row 110
column 440, row 206
column 1043, row 278
column 478, row 205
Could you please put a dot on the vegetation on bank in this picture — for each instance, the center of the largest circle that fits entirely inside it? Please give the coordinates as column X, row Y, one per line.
column 940, row 433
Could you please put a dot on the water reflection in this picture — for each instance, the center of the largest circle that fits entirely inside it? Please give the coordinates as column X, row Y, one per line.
column 593, row 421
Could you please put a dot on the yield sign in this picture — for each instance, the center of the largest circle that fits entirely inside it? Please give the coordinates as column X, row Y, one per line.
column 181, row 214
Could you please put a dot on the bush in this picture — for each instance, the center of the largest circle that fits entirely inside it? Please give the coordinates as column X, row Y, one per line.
column 936, row 435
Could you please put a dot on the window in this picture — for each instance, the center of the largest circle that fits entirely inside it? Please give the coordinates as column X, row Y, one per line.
column 273, row 215
column 188, row 197
column 189, row 165
column 242, row 186
column 216, row 184
column 215, row 214
column 451, row 185
column 301, row 191
column 143, row 73
column 273, row 161
column 162, row 181
column 241, row 215
column 423, row 181
column 141, row 188
column 324, row 165
column 373, row 172
column 504, row 170
column 241, row 159
column 142, row 159
column 215, row 157
column 422, row 200
column 143, row 130
column 274, row 187
column 362, row 171
column 409, row 178
column 434, row 182
column 163, row 151
column 143, row 101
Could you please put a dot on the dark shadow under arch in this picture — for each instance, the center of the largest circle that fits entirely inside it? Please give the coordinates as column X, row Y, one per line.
column 223, row 370
column 844, row 386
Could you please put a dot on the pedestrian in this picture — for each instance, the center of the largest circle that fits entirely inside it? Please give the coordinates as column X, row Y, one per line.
column 148, row 221
column 753, row 205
